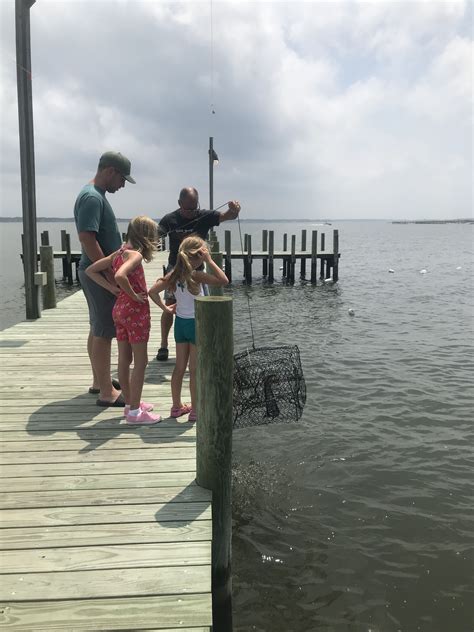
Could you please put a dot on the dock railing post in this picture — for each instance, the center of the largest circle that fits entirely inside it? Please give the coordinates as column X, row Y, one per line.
column 47, row 265
column 45, row 238
column 68, row 259
column 40, row 280
column 228, row 255
column 285, row 259
column 248, row 261
column 264, row 249
column 335, row 249
column 323, row 247
column 214, row 377
column 63, row 248
column 293, row 258
column 303, row 260
column 314, row 255
column 216, row 256
column 271, row 250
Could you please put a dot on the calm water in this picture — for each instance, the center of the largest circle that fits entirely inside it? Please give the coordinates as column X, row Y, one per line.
column 359, row 517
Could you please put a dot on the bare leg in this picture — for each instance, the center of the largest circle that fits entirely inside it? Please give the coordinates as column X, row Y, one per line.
column 182, row 356
column 192, row 374
column 166, row 323
column 124, row 362
column 95, row 380
column 101, row 362
column 140, row 360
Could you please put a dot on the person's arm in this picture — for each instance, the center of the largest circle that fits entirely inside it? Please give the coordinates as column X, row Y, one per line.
column 231, row 213
column 95, row 272
column 90, row 244
column 217, row 278
column 154, row 294
column 132, row 258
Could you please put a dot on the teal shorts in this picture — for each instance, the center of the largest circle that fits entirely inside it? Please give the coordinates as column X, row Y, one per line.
column 185, row 330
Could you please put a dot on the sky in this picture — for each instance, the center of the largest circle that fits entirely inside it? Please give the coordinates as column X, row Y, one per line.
column 324, row 110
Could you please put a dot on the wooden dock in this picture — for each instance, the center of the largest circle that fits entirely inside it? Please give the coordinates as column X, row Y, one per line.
column 102, row 525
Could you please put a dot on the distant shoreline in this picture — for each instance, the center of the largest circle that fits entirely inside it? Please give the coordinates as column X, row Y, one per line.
column 326, row 222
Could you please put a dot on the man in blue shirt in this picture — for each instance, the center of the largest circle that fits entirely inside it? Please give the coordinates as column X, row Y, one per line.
column 100, row 236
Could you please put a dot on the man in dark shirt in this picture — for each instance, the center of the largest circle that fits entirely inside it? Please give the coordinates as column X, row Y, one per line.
column 187, row 220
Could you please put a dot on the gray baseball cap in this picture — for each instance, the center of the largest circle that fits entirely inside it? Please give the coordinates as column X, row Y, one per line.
column 118, row 161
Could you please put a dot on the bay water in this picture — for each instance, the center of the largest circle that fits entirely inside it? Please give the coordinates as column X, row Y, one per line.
column 359, row 517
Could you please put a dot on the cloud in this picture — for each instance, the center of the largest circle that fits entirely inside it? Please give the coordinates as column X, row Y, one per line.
column 362, row 108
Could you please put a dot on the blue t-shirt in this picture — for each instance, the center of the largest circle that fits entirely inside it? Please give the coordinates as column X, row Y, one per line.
column 93, row 213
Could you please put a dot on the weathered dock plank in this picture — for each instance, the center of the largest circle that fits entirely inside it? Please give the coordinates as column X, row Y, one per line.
column 102, row 526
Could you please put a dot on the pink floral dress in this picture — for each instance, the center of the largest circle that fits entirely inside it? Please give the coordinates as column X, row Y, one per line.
column 132, row 319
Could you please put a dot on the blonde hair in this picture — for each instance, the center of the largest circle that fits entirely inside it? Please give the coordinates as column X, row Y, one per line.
column 142, row 234
column 183, row 270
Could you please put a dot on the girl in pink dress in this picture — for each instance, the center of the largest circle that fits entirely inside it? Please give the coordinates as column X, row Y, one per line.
column 131, row 312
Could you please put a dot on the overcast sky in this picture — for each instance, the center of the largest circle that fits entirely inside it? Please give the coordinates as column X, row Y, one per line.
column 321, row 109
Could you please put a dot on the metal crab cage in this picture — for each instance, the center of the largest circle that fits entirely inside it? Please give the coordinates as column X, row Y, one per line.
column 268, row 387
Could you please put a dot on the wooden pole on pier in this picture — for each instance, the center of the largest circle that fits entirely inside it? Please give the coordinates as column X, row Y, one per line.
column 248, row 261
column 214, row 376
column 228, row 255
column 47, row 265
column 27, row 153
column 335, row 271
column 303, row 249
column 285, row 261
column 271, row 250
column 264, row 249
column 314, row 255
column 323, row 239
column 293, row 259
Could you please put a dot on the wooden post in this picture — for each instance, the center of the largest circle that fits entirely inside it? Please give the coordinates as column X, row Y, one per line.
column 246, row 238
column 27, row 153
column 45, row 238
column 271, row 250
column 248, row 261
column 314, row 255
column 303, row 249
column 293, row 258
column 228, row 255
column 63, row 248
column 285, row 261
column 47, row 265
column 68, row 260
column 335, row 249
column 264, row 249
column 40, row 281
column 214, row 382
column 216, row 256
column 323, row 261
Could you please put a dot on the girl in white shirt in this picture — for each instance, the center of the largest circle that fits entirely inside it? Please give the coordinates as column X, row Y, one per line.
column 185, row 281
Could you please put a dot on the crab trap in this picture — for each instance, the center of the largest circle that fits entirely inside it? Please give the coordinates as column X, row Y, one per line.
column 268, row 386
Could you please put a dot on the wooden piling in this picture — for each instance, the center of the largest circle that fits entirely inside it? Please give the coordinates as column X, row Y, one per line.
column 63, row 248
column 323, row 244
column 264, row 249
column 214, row 376
column 216, row 256
column 45, row 238
column 228, row 254
column 271, row 250
column 246, row 237
column 248, row 261
column 293, row 259
column 314, row 255
column 335, row 271
column 68, row 259
column 47, row 265
column 285, row 260
column 41, row 280
column 303, row 249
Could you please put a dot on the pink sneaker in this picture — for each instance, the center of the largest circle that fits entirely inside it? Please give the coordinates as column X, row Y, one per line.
column 178, row 411
column 192, row 415
column 143, row 405
column 143, row 417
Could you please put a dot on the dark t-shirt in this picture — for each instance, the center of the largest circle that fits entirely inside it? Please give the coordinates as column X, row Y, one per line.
column 178, row 227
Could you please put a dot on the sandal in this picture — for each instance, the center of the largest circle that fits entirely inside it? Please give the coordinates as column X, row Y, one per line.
column 178, row 411
column 162, row 354
column 96, row 391
column 192, row 415
column 143, row 405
